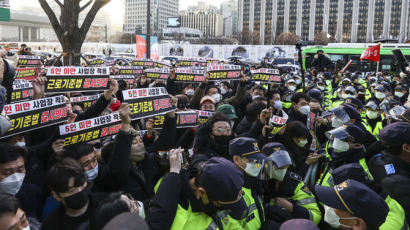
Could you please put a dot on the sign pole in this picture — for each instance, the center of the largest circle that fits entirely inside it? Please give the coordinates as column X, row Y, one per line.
column 377, row 68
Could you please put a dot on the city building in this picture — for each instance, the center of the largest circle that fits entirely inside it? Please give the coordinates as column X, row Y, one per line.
column 135, row 15
column 229, row 12
column 181, row 33
column 204, row 17
column 343, row 20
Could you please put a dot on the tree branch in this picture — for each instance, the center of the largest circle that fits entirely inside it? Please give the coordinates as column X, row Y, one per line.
column 59, row 3
column 98, row 4
column 86, row 5
column 53, row 19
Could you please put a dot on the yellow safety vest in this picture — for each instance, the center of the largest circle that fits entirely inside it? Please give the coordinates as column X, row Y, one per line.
column 396, row 218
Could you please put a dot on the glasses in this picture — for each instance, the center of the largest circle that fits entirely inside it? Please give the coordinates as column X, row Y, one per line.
column 222, row 130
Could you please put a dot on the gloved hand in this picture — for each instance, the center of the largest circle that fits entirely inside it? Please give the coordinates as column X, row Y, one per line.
column 277, row 213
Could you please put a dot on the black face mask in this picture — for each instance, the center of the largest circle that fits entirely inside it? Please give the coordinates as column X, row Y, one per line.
column 222, row 140
column 78, row 200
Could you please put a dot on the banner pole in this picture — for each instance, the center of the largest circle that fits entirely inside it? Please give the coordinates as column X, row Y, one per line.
column 377, row 68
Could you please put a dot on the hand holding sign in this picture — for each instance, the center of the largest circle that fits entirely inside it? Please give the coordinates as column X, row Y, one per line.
column 125, row 112
column 112, row 90
column 265, row 115
column 174, row 102
column 175, row 160
column 39, row 87
column 71, row 117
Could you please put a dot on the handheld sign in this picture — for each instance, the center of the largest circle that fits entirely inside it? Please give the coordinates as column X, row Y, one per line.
column 29, row 61
column 22, row 90
column 193, row 75
column 147, row 102
column 161, row 65
column 128, row 70
column 26, row 73
column 157, row 73
column 96, row 62
column 77, row 79
column 266, row 75
column 91, row 129
column 187, row 62
column 129, row 78
column 35, row 114
column 143, row 62
column 86, row 100
column 203, row 116
column 185, row 119
column 211, row 61
column 278, row 123
column 224, row 72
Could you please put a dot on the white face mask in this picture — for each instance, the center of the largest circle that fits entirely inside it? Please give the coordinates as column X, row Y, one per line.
column 304, row 109
column 216, row 97
column 223, row 91
column 399, row 94
column 340, row 146
column 12, row 184
column 321, row 88
column 189, row 92
column 277, row 105
column 372, row 114
column 336, row 122
column 292, row 87
column 141, row 209
column 380, row 95
column 27, row 228
column 333, row 219
column 20, row 144
column 302, row 143
column 279, row 174
column 92, row 174
column 254, row 97
column 253, row 169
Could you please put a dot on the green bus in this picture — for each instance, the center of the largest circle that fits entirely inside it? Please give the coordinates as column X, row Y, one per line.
column 340, row 54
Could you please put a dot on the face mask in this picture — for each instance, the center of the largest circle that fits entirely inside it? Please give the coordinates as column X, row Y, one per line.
column 298, row 81
column 372, row 114
column 321, row 88
column 302, row 143
column 223, row 91
column 20, row 144
column 189, row 92
column 137, row 153
column 399, row 94
column 333, row 219
column 277, row 105
column 380, row 95
column 336, row 122
column 92, row 174
column 349, row 96
column 253, row 169
column 291, row 87
column 343, row 96
column 232, row 123
column 27, row 228
column 254, row 97
column 141, row 209
column 304, row 109
column 222, row 140
column 216, row 97
column 340, row 146
column 12, row 184
column 78, row 200
column 279, row 174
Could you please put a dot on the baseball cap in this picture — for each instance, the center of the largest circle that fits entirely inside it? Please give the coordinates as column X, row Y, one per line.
column 298, row 224
column 355, row 198
column 350, row 171
column 356, row 103
column 396, row 134
column 405, row 116
column 207, row 98
column 126, row 221
column 350, row 132
column 246, row 147
column 228, row 110
column 223, row 182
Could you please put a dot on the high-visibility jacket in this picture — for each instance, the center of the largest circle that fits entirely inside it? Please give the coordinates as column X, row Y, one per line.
column 254, row 219
column 396, row 218
column 375, row 131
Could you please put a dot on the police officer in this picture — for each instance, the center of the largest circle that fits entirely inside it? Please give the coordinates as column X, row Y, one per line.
column 374, row 119
column 285, row 193
column 352, row 205
column 392, row 169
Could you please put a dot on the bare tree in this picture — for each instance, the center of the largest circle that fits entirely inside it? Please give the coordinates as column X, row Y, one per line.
column 322, row 38
column 67, row 29
column 286, row 38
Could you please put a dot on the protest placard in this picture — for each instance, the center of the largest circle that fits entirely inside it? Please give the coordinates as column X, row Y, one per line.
column 147, row 102
column 266, row 75
column 224, row 72
column 86, row 100
column 187, row 62
column 185, row 119
column 29, row 61
column 77, row 79
column 143, row 62
column 157, row 73
column 194, row 75
column 30, row 115
column 203, row 116
column 161, row 65
column 22, row 90
column 91, row 129
column 96, row 62
column 29, row 73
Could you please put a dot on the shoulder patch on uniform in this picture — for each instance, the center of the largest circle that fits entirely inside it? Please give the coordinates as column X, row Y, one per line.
column 295, row 176
column 390, row 169
column 306, row 190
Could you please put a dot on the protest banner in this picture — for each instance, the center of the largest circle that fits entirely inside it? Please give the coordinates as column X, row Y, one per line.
column 91, row 129
column 147, row 102
column 185, row 119
column 96, row 62
column 157, row 73
column 22, row 90
column 29, row 61
column 224, row 72
column 86, row 100
column 129, row 78
column 211, row 61
column 161, row 65
column 203, row 116
column 266, row 75
column 26, row 73
column 278, row 123
column 187, row 62
column 30, row 115
column 143, row 62
column 194, row 75
column 77, row 79
column 128, row 70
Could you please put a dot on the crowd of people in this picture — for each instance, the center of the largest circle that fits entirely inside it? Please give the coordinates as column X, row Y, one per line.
column 331, row 151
